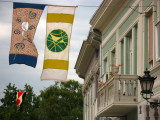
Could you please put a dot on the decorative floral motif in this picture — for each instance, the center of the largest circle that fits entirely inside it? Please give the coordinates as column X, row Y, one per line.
column 27, row 38
column 18, row 20
column 17, row 32
column 32, row 15
column 31, row 27
column 19, row 46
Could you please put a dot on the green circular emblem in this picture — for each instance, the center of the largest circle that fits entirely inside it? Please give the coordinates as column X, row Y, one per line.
column 57, row 40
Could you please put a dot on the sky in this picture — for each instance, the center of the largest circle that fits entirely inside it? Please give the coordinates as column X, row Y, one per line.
column 21, row 74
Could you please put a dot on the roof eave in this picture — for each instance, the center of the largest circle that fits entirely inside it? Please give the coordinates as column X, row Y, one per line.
column 106, row 13
column 85, row 55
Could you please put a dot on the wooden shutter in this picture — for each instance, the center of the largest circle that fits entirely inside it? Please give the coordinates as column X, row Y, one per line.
column 150, row 19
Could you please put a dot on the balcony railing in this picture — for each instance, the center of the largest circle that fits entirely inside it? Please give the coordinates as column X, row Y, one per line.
column 118, row 95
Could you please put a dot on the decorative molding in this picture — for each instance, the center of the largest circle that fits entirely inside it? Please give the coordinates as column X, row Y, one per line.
column 91, row 73
column 128, row 29
column 155, row 69
column 105, row 56
column 113, row 47
column 86, row 53
column 100, row 11
column 129, row 12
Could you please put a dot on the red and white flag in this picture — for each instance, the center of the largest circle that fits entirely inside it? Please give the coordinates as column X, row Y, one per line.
column 19, row 98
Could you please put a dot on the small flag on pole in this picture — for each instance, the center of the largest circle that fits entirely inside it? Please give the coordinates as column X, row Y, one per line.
column 25, row 20
column 59, row 28
column 20, row 98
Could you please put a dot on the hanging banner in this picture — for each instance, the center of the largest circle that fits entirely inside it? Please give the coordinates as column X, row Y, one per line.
column 25, row 20
column 20, row 98
column 56, row 56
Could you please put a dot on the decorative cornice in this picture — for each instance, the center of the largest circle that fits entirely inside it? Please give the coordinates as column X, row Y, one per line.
column 86, row 53
column 99, row 12
column 106, row 13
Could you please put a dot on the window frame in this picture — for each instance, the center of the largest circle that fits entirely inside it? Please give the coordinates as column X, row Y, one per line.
column 158, row 41
column 122, row 55
column 112, row 50
column 105, row 64
column 130, row 50
column 150, row 17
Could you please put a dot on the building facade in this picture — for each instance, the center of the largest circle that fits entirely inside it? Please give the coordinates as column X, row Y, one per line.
column 87, row 67
column 130, row 42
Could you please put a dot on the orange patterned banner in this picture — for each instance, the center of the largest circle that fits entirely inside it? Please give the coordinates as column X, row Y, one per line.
column 25, row 20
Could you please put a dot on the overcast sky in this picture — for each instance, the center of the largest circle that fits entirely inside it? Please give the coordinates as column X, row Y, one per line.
column 22, row 74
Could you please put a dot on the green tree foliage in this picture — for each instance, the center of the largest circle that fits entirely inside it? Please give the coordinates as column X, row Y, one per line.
column 8, row 109
column 62, row 101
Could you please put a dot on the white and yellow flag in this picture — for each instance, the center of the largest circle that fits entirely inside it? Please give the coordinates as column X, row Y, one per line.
column 56, row 56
